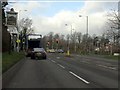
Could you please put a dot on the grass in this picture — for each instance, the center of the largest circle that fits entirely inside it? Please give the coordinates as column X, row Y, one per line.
column 8, row 60
column 112, row 57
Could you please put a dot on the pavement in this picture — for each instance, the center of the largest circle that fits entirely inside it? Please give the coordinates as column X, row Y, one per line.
column 58, row 71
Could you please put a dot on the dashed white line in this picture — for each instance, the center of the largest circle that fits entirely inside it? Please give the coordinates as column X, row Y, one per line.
column 58, row 57
column 107, row 67
column 61, row 66
column 85, row 62
column 79, row 77
column 53, row 61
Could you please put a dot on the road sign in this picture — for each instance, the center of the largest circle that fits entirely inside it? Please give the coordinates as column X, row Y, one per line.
column 18, row 41
column 11, row 18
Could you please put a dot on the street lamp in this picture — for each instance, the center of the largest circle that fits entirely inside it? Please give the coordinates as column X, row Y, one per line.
column 68, row 51
column 86, row 24
column 86, row 30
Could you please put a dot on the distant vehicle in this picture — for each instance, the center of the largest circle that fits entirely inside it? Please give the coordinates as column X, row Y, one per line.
column 60, row 51
column 51, row 50
column 38, row 53
column 116, row 54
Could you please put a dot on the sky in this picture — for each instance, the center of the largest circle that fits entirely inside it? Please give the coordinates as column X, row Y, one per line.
column 51, row 16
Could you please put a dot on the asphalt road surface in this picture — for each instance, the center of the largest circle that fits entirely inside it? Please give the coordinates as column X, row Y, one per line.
column 59, row 71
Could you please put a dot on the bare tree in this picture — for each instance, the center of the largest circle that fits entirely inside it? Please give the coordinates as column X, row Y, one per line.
column 79, row 38
column 114, row 31
column 50, row 39
column 25, row 28
column 25, row 25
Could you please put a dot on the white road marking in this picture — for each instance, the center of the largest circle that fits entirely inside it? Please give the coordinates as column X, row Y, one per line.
column 53, row 61
column 85, row 62
column 103, row 62
column 107, row 67
column 79, row 77
column 58, row 57
column 61, row 66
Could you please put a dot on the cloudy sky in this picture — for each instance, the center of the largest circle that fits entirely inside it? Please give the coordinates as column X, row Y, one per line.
column 51, row 16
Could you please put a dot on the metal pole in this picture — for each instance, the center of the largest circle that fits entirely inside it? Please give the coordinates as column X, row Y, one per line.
column 71, row 36
column 71, row 30
column 52, row 43
column 75, row 41
column 87, row 25
column 87, row 51
column 18, row 47
column 68, row 50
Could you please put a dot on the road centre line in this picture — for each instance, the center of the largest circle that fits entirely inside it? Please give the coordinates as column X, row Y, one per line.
column 107, row 67
column 85, row 62
column 104, row 63
column 79, row 77
column 53, row 61
column 61, row 66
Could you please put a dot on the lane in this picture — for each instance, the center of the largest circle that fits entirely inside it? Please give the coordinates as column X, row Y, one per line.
column 99, row 60
column 44, row 74
column 99, row 76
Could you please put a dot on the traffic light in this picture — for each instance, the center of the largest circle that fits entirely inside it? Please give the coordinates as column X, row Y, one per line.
column 48, row 43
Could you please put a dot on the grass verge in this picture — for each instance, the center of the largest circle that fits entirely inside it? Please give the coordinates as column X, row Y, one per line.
column 8, row 60
column 112, row 57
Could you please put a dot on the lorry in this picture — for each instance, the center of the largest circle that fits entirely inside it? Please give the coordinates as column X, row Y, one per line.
column 33, row 43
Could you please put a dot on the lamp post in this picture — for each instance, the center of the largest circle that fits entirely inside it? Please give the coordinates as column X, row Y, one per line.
column 86, row 31
column 68, row 51
column 75, row 42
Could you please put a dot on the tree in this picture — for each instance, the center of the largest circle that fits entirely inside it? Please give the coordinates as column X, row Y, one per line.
column 114, row 31
column 73, row 42
column 25, row 28
column 79, row 39
column 50, row 39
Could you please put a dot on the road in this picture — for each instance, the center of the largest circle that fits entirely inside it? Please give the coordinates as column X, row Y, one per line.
column 59, row 71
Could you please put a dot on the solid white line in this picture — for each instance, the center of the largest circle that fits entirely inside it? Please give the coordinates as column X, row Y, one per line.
column 79, row 77
column 61, row 66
